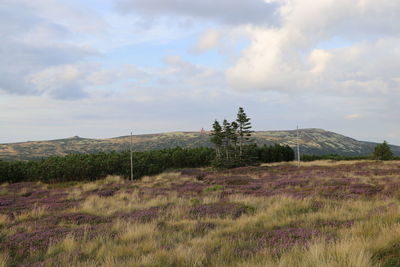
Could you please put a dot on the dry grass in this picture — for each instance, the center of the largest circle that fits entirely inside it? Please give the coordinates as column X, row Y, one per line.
column 36, row 213
column 276, row 230
column 124, row 202
column 163, row 180
column 3, row 259
column 4, row 219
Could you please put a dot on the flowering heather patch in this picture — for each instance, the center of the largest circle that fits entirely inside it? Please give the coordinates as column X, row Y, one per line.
column 107, row 192
column 18, row 187
column 220, row 209
column 198, row 174
column 12, row 204
column 143, row 216
column 185, row 189
column 73, row 218
column 391, row 207
column 289, row 182
column 331, row 214
column 365, row 189
column 279, row 240
column 391, row 189
column 334, row 223
column 229, row 180
column 246, row 170
column 23, row 243
column 340, row 182
column 203, row 227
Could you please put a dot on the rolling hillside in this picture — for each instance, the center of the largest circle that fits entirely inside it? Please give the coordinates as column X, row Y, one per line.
column 312, row 141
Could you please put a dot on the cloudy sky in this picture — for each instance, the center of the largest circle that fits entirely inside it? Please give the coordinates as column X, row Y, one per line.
column 101, row 68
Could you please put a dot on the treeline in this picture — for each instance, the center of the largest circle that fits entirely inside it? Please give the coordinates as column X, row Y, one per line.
column 275, row 153
column 78, row 167
column 84, row 167
column 335, row 157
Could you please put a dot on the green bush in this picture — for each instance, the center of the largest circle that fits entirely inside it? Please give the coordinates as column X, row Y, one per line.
column 382, row 152
column 332, row 157
column 82, row 167
column 78, row 167
column 214, row 188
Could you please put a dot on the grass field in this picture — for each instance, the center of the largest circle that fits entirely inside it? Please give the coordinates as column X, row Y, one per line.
column 322, row 214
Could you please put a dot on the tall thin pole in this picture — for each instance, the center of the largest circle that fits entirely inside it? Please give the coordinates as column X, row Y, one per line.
column 298, row 148
column 131, row 159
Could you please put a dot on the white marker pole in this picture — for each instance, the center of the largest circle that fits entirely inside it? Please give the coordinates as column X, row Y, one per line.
column 131, row 159
column 298, row 148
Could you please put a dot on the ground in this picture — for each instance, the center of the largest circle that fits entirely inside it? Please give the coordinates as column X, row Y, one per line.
column 321, row 214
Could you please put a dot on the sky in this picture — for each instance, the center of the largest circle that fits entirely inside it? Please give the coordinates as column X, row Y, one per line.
column 104, row 68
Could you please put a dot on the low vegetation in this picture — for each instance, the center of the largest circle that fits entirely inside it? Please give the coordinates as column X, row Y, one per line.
column 80, row 167
column 383, row 152
column 90, row 167
column 326, row 213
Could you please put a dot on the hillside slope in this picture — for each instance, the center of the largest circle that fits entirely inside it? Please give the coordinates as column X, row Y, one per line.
column 312, row 141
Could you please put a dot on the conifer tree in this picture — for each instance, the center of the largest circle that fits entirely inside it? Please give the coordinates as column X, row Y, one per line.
column 227, row 134
column 243, row 129
column 383, row 152
column 217, row 138
column 231, row 139
column 234, row 137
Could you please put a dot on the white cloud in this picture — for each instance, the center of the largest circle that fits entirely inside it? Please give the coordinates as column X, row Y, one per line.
column 189, row 78
column 207, row 41
column 319, row 59
column 354, row 116
column 60, row 81
column 109, row 76
column 287, row 58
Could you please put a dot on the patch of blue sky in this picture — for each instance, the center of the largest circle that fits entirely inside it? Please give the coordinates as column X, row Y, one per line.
column 152, row 54
column 211, row 58
column 143, row 55
column 333, row 43
column 101, row 6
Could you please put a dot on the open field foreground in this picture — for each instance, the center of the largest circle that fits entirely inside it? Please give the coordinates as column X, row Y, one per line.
column 323, row 214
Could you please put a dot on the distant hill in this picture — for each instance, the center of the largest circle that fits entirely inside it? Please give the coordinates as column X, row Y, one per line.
column 312, row 141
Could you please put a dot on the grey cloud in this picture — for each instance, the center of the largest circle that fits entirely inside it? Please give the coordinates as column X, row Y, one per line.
column 21, row 60
column 31, row 44
column 183, row 74
column 71, row 91
column 225, row 11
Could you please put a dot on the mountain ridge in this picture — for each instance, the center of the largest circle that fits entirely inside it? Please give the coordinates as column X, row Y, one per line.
column 312, row 141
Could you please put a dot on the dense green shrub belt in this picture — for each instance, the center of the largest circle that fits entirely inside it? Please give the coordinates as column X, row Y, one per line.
column 78, row 167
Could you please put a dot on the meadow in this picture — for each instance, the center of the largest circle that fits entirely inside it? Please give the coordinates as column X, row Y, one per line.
column 325, row 213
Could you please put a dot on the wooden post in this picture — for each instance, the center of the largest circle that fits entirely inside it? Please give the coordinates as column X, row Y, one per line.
column 131, row 159
column 298, row 148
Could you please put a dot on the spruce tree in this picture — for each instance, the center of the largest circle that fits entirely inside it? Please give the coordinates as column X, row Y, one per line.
column 217, row 138
column 230, row 140
column 234, row 138
column 383, row 152
column 243, row 129
column 227, row 134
